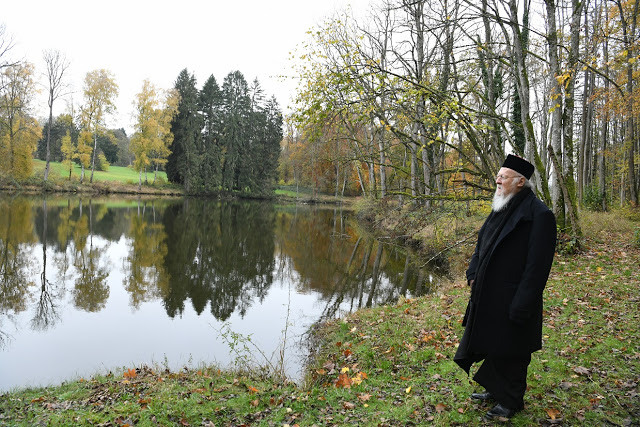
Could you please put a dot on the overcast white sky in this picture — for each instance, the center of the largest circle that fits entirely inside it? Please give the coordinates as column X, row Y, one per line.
column 155, row 40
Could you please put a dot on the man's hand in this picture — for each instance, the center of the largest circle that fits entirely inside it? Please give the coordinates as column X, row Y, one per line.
column 471, row 282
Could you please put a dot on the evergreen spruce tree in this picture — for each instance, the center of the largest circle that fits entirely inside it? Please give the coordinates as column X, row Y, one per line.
column 270, row 150
column 237, row 110
column 183, row 165
column 61, row 125
column 225, row 139
column 210, row 104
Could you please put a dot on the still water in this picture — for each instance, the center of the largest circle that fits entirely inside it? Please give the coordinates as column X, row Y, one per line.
column 91, row 285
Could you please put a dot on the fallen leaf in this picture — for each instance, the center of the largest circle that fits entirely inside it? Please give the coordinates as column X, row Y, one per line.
column 408, row 390
column 344, row 370
column 348, row 405
column 565, row 385
column 357, row 380
column 582, row 370
column 553, row 413
column 440, row 408
column 255, row 402
column 131, row 373
column 252, row 389
column 364, row 397
column 343, row 381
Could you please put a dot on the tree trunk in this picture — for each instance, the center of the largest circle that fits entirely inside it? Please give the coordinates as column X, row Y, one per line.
column 383, row 161
column 556, row 108
column 604, row 133
column 567, row 119
column 48, row 156
column 571, row 212
column 93, row 157
column 522, row 84
column 629, row 35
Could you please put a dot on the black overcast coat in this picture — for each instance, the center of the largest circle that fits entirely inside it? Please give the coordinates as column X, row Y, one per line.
column 504, row 316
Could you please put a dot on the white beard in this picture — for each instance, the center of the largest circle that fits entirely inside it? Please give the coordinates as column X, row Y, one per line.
column 500, row 201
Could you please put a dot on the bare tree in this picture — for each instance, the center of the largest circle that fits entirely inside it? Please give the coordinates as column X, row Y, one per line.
column 57, row 65
column 6, row 44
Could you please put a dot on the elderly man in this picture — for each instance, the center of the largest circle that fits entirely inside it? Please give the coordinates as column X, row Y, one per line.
column 507, row 274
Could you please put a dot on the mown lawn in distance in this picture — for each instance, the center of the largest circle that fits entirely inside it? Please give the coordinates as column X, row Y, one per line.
column 121, row 174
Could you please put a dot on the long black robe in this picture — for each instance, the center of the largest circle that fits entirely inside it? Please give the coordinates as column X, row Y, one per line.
column 504, row 316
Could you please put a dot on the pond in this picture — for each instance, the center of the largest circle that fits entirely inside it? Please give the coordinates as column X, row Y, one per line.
column 93, row 285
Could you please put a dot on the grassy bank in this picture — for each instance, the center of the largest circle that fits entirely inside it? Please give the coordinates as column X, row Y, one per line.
column 117, row 179
column 393, row 365
column 123, row 175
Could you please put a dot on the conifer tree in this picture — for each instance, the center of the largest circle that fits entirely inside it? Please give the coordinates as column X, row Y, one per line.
column 237, row 111
column 210, row 104
column 183, row 165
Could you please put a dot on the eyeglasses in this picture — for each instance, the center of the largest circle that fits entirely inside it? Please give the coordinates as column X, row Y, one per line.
column 502, row 177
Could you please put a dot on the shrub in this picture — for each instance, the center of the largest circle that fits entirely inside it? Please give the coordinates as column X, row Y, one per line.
column 103, row 164
column 160, row 180
column 593, row 197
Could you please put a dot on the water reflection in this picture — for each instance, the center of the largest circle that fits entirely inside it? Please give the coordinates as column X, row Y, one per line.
column 218, row 259
column 221, row 253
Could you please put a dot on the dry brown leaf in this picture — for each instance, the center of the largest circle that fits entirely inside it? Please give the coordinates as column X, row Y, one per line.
column 553, row 413
column 348, row 405
column 131, row 373
column 566, row 385
column 343, row 381
column 582, row 370
column 364, row 397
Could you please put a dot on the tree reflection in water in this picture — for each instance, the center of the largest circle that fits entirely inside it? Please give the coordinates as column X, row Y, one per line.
column 91, row 291
column 218, row 256
column 16, row 240
column 220, row 253
column 349, row 269
column 46, row 313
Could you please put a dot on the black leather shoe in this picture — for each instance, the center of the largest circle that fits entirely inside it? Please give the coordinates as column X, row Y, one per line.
column 481, row 396
column 499, row 411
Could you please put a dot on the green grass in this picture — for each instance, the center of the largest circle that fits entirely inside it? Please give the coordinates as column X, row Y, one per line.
column 120, row 174
column 392, row 365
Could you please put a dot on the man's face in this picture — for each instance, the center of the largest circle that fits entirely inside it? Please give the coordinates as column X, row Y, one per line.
column 508, row 182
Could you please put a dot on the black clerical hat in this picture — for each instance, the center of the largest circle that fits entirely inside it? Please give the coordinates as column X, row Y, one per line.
column 519, row 165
